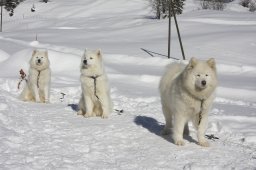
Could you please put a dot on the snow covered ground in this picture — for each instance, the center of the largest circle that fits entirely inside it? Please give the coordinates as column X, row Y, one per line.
column 52, row 136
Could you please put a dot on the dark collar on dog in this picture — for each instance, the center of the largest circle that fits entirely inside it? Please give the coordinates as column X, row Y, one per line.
column 38, row 76
column 95, row 84
column 94, row 77
column 201, row 105
column 201, row 111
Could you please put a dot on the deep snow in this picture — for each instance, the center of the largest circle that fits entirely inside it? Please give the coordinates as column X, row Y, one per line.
column 52, row 136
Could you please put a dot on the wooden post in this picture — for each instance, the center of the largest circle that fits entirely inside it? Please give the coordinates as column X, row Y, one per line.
column 169, row 33
column 177, row 27
column 1, row 27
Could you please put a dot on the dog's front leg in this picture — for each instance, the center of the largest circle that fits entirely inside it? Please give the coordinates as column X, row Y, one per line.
column 104, row 100
column 201, row 130
column 178, row 128
column 46, row 94
column 202, row 126
column 36, row 93
column 88, row 106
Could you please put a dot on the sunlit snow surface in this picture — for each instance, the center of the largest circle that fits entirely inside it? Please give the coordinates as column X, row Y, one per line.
column 52, row 136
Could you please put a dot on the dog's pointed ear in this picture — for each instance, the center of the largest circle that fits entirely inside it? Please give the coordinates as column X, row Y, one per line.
column 99, row 53
column 85, row 51
column 211, row 62
column 34, row 52
column 192, row 63
column 46, row 53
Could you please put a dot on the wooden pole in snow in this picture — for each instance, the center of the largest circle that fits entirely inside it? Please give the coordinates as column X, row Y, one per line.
column 169, row 33
column 1, row 28
column 178, row 31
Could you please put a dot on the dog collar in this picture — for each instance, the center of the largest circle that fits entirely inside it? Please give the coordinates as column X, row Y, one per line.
column 95, row 84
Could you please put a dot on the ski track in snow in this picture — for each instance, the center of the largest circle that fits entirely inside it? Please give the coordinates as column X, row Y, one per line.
column 222, row 22
column 52, row 136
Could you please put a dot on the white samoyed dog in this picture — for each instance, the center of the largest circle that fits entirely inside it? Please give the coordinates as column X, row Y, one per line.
column 37, row 88
column 95, row 99
column 187, row 93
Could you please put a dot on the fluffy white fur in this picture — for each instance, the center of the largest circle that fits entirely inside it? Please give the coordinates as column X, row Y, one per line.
column 38, row 85
column 182, row 89
column 91, row 103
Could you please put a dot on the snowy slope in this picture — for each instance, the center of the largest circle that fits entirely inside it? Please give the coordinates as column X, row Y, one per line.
column 52, row 136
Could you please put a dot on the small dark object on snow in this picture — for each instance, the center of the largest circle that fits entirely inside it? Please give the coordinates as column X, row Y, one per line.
column 62, row 98
column 119, row 111
column 211, row 137
column 74, row 107
column 33, row 9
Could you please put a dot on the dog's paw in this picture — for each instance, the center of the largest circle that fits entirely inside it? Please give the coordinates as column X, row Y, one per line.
column 80, row 112
column 47, row 102
column 38, row 100
column 180, row 142
column 204, row 143
column 87, row 115
column 104, row 116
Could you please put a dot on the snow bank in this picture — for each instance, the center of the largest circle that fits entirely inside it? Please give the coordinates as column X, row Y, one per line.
column 60, row 63
column 15, row 62
column 235, row 69
column 236, row 94
column 3, row 56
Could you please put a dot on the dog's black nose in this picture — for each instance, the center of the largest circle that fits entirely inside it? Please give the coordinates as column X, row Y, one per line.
column 203, row 82
column 39, row 61
column 85, row 62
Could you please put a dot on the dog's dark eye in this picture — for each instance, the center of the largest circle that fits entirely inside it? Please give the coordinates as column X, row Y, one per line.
column 91, row 58
column 198, row 75
column 206, row 75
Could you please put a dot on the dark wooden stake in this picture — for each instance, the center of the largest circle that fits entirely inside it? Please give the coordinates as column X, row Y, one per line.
column 169, row 33
column 177, row 27
column 1, row 28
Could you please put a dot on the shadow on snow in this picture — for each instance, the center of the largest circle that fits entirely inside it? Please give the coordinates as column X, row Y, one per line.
column 155, row 127
column 74, row 107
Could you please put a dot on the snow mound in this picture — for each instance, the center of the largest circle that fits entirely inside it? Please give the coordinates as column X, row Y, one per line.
column 3, row 56
column 60, row 63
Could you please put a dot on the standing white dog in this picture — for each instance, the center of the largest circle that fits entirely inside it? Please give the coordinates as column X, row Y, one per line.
column 95, row 99
column 39, row 78
column 187, row 93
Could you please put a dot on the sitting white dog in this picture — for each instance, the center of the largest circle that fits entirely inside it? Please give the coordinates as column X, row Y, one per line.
column 38, row 84
column 95, row 99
